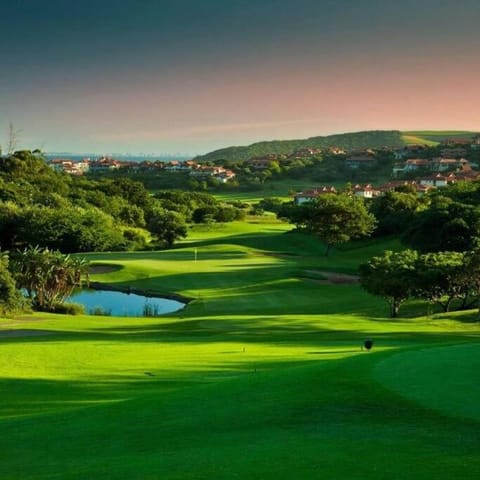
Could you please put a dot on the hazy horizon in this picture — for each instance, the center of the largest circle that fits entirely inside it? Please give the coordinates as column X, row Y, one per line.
column 191, row 77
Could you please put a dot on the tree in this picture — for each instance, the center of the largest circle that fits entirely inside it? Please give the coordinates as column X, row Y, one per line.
column 11, row 299
column 167, row 226
column 69, row 230
column 394, row 211
column 335, row 218
column 440, row 278
column 390, row 276
column 446, row 225
column 47, row 276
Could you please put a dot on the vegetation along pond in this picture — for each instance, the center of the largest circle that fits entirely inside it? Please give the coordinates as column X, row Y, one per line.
column 120, row 304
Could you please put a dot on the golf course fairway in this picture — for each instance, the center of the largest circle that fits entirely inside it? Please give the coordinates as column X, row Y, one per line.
column 260, row 376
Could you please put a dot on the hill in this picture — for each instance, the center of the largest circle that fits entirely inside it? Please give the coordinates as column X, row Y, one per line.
column 368, row 139
column 349, row 141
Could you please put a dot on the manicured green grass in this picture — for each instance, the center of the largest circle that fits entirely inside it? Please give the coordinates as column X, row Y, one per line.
column 433, row 137
column 409, row 373
column 416, row 139
column 260, row 376
column 281, row 189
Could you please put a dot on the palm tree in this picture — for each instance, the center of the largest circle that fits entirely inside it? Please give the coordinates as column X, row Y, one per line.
column 47, row 276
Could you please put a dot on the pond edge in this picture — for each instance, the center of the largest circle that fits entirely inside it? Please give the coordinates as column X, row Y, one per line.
column 139, row 291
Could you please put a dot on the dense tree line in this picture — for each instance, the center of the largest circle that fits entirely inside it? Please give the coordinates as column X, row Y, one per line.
column 11, row 299
column 442, row 278
column 77, row 214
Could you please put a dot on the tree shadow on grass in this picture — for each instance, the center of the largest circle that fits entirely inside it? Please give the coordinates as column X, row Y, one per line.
column 316, row 339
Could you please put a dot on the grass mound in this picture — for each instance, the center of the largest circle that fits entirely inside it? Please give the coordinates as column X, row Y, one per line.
column 437, row 378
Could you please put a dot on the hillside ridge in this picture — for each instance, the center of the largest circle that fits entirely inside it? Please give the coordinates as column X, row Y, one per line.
column 349, row 140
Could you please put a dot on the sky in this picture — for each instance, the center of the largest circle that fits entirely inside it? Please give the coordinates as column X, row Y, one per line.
column 190, row 76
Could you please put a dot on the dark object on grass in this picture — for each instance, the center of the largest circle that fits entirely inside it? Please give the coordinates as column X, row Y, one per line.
column 368, row 344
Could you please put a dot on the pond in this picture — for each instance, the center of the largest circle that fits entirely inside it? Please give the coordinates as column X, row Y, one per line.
column 120, row 304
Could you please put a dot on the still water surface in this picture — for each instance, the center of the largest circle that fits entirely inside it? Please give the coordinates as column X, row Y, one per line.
column 119, row 304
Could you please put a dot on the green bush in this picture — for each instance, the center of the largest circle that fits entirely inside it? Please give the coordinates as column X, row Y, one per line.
column 11, row 299
column 69, row 309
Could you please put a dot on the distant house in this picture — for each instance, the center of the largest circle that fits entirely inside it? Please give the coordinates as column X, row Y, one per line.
column 476, row 143
column 444, row 164
column 309, row 195
column 457, row 141
column 191, row 164
column 466, row 174
column 69, row 166
column 409, row 151
column 365, row 191
column 305, row 153
column 395, row 184
column 336, row 151
column 225, row 176
column 438, row 180
column 57, row 164
column 264, row 162
column 220, row 173
column 174, row 166
column 360, row 160
column 206, row 171
column 104, row 164
column 453, row 152
column 416, row 164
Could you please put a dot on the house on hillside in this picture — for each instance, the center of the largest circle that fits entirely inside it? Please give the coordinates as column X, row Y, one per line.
column 457, row 141
column 438, row 180
column 395, row 184
column 57, row 164
column 262, row 163
column 309, row 195
column 220, row 173
column 476, row 143
column 69, row 166
column 453, row 152
column 466, row 174
column 409, row 151
column 176, row 166
column 336, row 151
column 364, row 159
column 305, row 153
column 411, row 165
column 445, row 164
column 365, row 191
column 104, row 164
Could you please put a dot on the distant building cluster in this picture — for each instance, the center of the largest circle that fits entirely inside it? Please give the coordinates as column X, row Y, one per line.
column 437, row 172
column 109, row 164
column 424, row 167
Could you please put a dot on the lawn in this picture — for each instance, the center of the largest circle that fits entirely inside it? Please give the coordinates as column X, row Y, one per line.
column 260, row 376
column 434, row 137
column 281, row 189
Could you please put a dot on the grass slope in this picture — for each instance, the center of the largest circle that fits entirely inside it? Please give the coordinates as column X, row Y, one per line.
column 261, row 376
column 434, row 137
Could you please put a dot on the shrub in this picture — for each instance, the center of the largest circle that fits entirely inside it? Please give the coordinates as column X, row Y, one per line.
column 69, row 309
